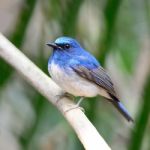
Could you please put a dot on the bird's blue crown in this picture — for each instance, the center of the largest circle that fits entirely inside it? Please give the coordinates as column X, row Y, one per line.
column 67, row 40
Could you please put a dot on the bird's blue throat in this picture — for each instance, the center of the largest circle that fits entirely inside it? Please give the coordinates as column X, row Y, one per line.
column 65, row 59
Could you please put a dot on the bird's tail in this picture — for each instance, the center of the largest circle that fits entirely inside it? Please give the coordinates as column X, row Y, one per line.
column 120, row 107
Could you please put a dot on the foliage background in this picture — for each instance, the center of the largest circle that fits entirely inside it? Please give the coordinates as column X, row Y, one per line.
column 117, row 32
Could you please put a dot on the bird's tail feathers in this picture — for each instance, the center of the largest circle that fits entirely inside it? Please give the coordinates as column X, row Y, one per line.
column 120, row 107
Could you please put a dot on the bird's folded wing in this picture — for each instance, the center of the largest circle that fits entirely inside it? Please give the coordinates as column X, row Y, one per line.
column 98, row 76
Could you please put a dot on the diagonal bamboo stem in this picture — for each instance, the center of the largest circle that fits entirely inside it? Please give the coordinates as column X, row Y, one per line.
column 86, row 132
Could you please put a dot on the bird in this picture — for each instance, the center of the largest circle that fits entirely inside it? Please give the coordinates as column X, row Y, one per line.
column 79, row 73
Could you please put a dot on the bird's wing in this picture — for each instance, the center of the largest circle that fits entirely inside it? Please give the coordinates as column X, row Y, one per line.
column 97, row 75
column 101, row 78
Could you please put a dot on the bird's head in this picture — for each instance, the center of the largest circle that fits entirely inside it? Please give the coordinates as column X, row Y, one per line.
column 64, row 44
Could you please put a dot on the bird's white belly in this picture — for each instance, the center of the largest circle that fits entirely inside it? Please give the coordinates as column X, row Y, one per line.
column 74, row 84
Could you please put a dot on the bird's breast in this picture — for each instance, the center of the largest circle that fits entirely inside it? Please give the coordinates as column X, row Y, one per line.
column 72, row 83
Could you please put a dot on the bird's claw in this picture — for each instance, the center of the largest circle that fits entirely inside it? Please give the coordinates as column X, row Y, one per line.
column 75, row 107
column 59, row 97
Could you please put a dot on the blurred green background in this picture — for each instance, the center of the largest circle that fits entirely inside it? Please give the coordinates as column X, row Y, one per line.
column 117, row 32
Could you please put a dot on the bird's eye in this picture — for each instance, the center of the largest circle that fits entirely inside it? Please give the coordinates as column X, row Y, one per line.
column 67, row 46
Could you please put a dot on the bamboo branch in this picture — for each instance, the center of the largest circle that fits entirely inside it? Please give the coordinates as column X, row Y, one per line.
column 86, row 132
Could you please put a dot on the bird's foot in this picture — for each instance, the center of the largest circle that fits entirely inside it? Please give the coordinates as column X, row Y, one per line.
column 77, row 106
column 63, row 95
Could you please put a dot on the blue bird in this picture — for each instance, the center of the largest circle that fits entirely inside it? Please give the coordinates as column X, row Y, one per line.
column 78, row 73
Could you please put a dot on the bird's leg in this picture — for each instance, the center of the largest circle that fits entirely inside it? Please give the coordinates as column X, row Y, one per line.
column 77, row 105
column 59, row 97
column 79, row 102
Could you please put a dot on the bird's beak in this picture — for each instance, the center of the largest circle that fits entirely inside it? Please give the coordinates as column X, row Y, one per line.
column 53, row 45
